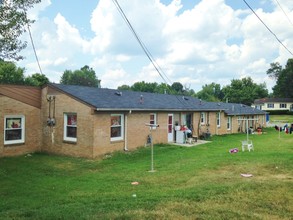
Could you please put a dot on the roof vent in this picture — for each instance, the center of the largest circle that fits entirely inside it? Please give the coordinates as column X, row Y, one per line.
column 141, row 99
column 219, row 103
column 185, row 98
column 118, row 93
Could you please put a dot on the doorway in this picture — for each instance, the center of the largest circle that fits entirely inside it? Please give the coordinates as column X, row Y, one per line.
column 170, row 128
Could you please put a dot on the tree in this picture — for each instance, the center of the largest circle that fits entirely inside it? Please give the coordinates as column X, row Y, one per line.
column 274, row 71
column 144, row 87
column 124, row 87
column 177, row 87
column 163, row 88
column 10, row 73
column 284, row 79
column 244, row 91
column 13, row 23
column 211, row 93
column 86, row 76
column 36, row 79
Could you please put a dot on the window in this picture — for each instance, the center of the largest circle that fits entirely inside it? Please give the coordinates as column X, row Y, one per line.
column 202, row 118
column 270, row 105
column 282, row 105
column 14, row 129
column 229, row 123
column 153, row 119
column 70, row 127
column 218, row 119
column 117, row 124
column 240, row 121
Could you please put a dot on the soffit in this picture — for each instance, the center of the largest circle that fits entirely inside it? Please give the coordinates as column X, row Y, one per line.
column 26, row 94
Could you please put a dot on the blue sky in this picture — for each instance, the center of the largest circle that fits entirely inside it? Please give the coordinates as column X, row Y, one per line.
column 194, row 42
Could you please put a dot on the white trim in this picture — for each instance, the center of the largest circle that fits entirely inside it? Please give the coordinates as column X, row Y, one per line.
column 155, row 120
column 218, row 116
column 121, row 126
column 229, row 121
column 204, row 118
column 65, row 138
column 22, row 127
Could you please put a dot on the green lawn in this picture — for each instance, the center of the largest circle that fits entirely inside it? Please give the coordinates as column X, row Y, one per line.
column 201, row 182
column 281, row 118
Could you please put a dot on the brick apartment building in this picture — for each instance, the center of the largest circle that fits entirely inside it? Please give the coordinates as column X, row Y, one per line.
column 89, row 122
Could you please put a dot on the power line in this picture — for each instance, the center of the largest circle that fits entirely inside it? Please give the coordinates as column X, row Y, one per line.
column 284, row 12
column 268, row 28
column 144, row 48
column 34, row 49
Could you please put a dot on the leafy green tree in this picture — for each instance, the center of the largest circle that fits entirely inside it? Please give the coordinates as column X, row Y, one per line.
column 274, row 71
column 244, row 91
column 144, row 87
column 86, row 76
column 284, row 79
column 13, row 23
column 11, row 74
column 124, row 87
column 163, row 88
column 211, row 92
column 36, row 79
column 177, row 87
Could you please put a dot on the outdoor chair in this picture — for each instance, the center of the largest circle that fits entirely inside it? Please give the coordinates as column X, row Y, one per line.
column 247, row 144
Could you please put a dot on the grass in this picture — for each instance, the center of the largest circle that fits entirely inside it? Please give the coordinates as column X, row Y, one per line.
column 201, row 182
column 281, row 118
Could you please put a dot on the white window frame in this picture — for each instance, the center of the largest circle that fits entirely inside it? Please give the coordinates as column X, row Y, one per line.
column 65, row 137
column 239, row 120
column 229, row 123
column 218, row 116
column 271, row 105
column 22, row 127
column 121, row 125
column 154, row 121
column 202, row 118
column 283, row 105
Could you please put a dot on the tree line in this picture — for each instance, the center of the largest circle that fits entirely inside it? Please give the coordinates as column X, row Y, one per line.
column 243, row 91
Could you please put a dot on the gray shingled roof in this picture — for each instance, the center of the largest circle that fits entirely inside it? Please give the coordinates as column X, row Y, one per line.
column 240, row 109
column 111, row 99
column 272, row 100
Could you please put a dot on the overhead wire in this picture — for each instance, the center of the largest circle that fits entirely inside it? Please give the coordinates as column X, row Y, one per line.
column 267, row 27
column 144, row 48
column 33, row 45
column 34, row 49
column 284, row 12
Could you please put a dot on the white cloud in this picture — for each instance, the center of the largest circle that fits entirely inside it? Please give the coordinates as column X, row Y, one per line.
column 210, row 42
column 34, row 12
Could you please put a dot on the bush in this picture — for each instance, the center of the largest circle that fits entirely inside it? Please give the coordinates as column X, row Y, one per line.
column 280, row 112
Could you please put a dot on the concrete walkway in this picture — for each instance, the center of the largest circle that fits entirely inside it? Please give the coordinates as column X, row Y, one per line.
column 193, row 144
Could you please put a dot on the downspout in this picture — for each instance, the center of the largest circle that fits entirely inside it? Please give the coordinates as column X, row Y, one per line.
column 126, row 131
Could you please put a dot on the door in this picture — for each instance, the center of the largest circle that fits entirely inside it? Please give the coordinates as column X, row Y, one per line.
column 170, row 128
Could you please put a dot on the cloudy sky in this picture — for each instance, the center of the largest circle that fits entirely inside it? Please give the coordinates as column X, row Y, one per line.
column 193, row 42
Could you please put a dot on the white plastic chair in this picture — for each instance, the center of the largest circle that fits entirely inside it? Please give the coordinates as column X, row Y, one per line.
column 247, row 144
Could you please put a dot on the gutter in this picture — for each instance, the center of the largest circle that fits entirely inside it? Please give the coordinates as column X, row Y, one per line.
column 157, row 110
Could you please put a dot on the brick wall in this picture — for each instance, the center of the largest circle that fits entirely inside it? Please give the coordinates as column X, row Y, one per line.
column 33, row 130
column 135, row 131
column 53, row 140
